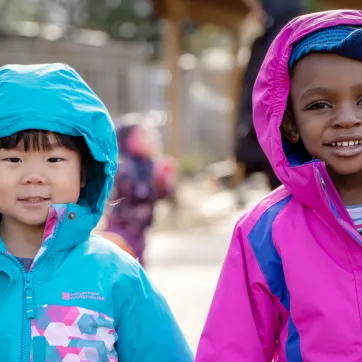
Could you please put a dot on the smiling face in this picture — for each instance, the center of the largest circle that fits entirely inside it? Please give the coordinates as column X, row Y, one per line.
column 326, row 94
column 32, row 180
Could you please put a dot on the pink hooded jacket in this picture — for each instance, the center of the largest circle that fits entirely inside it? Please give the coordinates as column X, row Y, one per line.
column 291, row 285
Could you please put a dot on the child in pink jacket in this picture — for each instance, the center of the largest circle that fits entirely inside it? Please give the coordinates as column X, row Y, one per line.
column 291, row 285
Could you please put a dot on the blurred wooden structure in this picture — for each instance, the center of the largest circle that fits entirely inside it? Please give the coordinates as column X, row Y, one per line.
column 225, row 13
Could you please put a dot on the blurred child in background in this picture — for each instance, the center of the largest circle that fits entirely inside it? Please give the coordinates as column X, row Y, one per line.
column 143, row 178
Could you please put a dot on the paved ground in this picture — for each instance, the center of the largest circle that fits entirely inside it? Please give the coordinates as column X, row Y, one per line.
column 186, row 251
column 185, row 267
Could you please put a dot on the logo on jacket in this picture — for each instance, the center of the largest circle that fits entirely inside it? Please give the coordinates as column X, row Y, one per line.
column 82, row 295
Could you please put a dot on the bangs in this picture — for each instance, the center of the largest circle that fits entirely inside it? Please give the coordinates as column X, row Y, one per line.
column 39, row 140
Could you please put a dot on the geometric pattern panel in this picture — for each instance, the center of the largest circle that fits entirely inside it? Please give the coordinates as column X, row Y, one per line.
column 74, row 334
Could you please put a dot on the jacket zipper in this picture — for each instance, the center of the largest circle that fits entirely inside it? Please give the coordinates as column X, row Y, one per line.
column 28, row 314
column 28, row 305
column 28, row 308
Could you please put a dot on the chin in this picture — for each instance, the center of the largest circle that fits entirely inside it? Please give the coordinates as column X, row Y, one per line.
column 34, row 222
column 346, row 171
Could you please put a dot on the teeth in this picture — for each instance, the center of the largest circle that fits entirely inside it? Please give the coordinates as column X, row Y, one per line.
column 346, row 143
column 34, row 199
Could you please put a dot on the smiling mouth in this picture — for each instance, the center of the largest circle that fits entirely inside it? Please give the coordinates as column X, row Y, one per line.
column 345, row 148
column 34, row 200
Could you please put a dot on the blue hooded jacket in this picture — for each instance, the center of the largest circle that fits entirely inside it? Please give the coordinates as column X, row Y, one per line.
column 83, row 299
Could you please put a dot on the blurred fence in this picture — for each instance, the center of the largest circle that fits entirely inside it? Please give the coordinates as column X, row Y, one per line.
column 127, row 82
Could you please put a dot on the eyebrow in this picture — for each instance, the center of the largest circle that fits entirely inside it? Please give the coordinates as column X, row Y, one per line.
column 319, row 90
column 357, row 87
column 313, row 91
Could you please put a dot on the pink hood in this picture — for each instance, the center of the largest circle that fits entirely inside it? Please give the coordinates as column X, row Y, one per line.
column 270, row 99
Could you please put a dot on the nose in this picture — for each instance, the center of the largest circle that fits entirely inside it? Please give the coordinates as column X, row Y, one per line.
column 33, row 176
column 348, row 116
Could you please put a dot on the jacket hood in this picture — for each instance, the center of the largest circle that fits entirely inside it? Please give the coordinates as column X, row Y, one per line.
column 53, row 97
column 292, row 166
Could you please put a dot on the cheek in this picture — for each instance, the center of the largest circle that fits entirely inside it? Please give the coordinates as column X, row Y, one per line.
column 66, row 187
column 311, row 131
column 8, row 191
column 8, row 181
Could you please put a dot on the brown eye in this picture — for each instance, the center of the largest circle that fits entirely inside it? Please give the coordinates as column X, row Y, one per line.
column 13, row 160
column 55, row 159
column 317, row 106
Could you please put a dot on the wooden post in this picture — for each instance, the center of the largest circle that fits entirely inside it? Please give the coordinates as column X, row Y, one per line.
column 239, row 172
column 235, row 81
column 172, row 47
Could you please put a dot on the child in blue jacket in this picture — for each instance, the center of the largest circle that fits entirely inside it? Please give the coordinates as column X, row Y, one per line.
column 67, row 295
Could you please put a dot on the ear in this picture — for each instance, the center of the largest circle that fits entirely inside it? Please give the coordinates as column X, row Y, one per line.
column 289, row 127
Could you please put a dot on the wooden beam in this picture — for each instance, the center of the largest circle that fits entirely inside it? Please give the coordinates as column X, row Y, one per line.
column 215, row 15
column 219, row 13
column 172, row 46
column 175, row 9
column 204, row 13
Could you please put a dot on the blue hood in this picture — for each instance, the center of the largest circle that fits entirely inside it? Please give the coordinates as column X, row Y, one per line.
column 53, row 97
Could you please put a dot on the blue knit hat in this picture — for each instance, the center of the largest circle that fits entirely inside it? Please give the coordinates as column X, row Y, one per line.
column 344, row 40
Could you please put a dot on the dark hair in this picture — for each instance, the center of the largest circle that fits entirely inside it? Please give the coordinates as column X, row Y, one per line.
column 37, row 140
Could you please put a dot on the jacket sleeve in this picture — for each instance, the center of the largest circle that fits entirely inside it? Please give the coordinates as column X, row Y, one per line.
column 147, row 330
column 243, row 321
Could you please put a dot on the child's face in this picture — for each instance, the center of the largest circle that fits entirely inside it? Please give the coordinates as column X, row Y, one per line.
column 31, row 181
column 326, row 92
column 139, row 142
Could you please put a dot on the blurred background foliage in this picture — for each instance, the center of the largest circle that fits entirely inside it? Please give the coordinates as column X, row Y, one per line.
column 125, row 20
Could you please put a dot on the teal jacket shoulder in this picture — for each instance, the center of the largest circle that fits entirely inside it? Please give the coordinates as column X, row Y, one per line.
column 146, row 327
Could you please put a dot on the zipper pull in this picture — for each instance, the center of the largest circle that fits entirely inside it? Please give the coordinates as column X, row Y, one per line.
column 322, row 182
column 28, row 289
